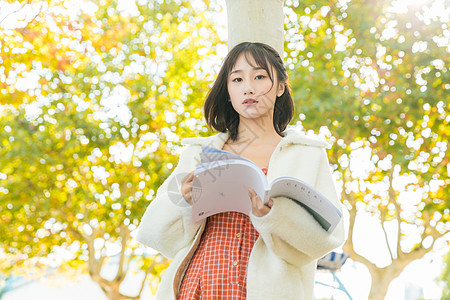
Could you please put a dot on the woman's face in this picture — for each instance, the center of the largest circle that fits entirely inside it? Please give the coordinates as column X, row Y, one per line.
column 251, row 91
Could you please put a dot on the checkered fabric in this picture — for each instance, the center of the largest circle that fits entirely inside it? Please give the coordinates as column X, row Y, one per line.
column 218, row 268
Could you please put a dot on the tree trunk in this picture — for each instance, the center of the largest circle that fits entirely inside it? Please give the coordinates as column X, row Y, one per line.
column 256, row 21
column 113, row 292
column 380, row 284
column 382, row 277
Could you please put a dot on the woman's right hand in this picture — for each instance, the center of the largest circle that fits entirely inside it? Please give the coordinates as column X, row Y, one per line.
column 186, row 187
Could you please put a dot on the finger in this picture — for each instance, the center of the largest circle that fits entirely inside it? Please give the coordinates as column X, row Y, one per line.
column 259, row 209
column 191, row 176
column 261, row 205
column 188, row 198
column 270, row 203
column 185, row 189
column 257, row 202
column 255, row 198
column 252, row 195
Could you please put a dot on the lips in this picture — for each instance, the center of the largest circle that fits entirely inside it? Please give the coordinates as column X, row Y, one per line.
column 249, row 101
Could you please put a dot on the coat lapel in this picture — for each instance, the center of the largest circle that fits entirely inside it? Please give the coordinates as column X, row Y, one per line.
column 292, row 137
column 215, row 141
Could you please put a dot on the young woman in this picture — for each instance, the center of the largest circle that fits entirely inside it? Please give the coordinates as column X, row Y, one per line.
column 272, row 253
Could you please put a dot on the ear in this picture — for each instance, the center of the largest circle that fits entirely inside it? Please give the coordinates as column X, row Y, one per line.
column 281, row 88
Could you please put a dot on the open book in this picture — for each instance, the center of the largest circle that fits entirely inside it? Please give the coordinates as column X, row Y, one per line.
column 221, row 183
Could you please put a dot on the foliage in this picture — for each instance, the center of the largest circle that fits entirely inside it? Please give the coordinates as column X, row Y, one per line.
column 96, row 97
column 373, row 76
column 91, row 95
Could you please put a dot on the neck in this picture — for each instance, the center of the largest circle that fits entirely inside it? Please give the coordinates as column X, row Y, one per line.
column 256, row 131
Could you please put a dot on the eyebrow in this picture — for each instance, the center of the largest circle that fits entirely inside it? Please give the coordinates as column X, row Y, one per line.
column 253, row 69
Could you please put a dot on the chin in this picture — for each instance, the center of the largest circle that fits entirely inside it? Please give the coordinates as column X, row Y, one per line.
column 255, row 115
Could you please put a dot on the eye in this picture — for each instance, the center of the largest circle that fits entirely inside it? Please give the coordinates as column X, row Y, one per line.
column 237, row 79
column 260, row 77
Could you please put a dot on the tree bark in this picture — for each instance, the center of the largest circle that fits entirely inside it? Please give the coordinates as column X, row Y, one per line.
column 256, row 21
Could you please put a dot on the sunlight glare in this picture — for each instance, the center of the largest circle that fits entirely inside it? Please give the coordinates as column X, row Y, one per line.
column 406, row 3
column 428, row 9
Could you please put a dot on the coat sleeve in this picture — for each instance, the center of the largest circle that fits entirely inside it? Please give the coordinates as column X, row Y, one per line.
column 167, row 223
column 292, row 233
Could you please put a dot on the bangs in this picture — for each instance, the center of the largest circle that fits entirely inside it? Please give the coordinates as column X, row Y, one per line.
column 254, row 55
column 220, row 114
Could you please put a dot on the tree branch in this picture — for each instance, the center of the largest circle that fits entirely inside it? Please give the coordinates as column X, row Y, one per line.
column 16, row 11
column 147, row 271
column 348, row 246
column 383, row 220
column 124, row 234
column 38, row 13
column 393, row 199
column 13, row 12
column 94, row 265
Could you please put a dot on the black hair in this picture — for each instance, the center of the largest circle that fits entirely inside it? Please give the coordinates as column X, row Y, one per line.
column 219, row 112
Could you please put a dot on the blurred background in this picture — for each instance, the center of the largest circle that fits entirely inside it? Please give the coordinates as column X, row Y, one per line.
column 96, row 95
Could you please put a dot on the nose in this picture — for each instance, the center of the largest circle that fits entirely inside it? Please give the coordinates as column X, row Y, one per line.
column 248, row 88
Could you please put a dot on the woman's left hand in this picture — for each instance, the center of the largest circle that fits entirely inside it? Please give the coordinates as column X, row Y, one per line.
column 259, row 209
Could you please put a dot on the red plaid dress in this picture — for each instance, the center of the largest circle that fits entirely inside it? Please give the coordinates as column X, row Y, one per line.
column 218, row 268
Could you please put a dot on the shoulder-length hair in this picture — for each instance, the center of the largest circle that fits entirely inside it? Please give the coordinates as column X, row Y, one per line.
column 218, row 111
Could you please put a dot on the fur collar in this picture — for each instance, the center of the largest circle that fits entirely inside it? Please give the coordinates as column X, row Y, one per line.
column 292, row 136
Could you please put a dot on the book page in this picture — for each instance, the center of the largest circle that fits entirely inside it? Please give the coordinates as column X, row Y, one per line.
column 223, row 186
column 322, row 209
column 217, row 156
column 210, row 154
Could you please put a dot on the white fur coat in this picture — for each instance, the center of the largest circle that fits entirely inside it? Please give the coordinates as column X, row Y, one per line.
column 283, row 260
